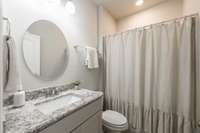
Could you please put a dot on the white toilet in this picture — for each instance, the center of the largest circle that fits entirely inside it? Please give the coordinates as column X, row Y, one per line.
column 114, row 122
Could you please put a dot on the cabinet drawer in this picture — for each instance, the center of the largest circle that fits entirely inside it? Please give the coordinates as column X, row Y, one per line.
column 93, row 124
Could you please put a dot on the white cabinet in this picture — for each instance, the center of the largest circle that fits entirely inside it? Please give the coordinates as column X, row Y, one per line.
column 92, row 125
column 77, row 130
column 85, row 120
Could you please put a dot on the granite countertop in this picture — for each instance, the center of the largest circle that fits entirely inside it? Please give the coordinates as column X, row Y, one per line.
column 28, row 119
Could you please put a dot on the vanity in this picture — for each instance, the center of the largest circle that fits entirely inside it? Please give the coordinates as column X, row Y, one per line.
column 85, row 120
column 70, row 111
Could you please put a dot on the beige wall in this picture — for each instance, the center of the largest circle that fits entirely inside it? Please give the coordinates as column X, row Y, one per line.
column 109, row 23
column 106, row 25
column 191, row 6
column 161, row 12
column 164, row 11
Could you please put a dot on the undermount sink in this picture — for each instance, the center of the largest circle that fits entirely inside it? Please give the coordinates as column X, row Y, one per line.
column 57, row 103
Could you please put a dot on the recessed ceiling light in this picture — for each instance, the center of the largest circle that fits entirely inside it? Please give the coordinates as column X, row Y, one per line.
column 139, row 2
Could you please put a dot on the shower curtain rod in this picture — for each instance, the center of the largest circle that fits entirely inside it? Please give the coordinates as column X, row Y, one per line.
column 162, row 22
column 175, row 19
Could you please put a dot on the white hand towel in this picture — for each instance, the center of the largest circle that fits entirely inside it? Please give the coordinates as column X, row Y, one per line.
column 13, row 80
column 5, row 61
column 91, row 60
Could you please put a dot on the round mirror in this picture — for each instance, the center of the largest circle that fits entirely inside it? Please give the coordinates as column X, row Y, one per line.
column 45, row 50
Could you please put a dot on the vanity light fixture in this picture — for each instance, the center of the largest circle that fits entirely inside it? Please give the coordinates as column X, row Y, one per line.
column 139, row 2
column 70, row 7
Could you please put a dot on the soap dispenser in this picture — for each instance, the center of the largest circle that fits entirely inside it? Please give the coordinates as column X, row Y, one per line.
column 19, row 98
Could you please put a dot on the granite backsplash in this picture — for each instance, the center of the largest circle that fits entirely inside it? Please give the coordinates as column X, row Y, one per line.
column 40, row 92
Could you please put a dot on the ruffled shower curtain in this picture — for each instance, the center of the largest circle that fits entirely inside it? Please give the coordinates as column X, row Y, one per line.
column 150, row 76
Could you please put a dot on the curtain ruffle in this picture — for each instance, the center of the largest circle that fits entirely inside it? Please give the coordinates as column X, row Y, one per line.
column 155, row 121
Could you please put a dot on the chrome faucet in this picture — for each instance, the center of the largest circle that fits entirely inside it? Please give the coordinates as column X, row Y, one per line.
column 55, row 91
column 52, row 92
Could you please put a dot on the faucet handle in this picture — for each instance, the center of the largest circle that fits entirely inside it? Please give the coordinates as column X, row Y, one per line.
column 56, row 91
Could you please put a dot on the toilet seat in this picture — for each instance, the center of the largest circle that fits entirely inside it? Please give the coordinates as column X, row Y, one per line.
column 115, row 120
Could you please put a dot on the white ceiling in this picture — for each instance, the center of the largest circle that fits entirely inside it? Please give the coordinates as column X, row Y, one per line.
column 122, row 8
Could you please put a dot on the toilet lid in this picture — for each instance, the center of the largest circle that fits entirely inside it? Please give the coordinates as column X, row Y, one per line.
column 114, row 118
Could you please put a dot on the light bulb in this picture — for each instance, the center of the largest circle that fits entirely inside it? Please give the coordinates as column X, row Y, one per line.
column 70, row 7
column 139, row 2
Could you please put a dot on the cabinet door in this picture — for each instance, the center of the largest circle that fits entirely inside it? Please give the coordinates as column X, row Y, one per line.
column 92, row 125
column 53, row 129
column 77, row 130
